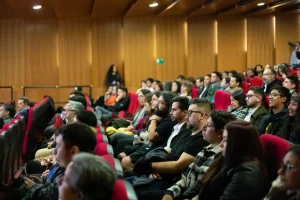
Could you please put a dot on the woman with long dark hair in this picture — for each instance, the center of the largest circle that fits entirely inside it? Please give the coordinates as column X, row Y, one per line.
column 239, row 172
column 291, row 127
column 113, row 77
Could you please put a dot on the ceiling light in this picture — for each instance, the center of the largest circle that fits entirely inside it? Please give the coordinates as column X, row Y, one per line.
column 153, row 4
column 37, row 7
column 260, row 4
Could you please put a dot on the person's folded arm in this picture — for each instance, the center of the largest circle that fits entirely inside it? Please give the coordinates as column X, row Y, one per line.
column 173, row 167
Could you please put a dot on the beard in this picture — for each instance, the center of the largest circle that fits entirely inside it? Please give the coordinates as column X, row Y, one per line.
column 190, row 126
column 161, row 113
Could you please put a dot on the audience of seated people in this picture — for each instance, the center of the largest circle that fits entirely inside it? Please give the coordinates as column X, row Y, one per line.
column 291, row 126
column 256, row 101
column 270, row 81
column 206, row 83
column 215, row 84
column 234, row 84
column 180, row 150
column 273, row 122
column 87, row 176
column 71, row 139
column 159, row 131
column 287, row 185
column 238, row 104
column 212, row 132
column 7, row 113
column 212, row 154
column 186, row 89
column 121, row 103
column 291, row 83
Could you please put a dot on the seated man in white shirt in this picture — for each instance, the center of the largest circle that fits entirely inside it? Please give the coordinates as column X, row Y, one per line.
column 256, row 99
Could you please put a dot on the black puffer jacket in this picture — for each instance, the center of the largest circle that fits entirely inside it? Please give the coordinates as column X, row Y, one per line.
column 245, row 181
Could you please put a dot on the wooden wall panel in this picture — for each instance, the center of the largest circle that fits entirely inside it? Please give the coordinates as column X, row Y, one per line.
column 74, row 51
column 201, row 46
column 107, row 49
column 79, row 51
column 139, row 54
column 231, row 43
column 260, row 40
column 171, row 46
column 12, row 52
column 40, row 62
column 286, row 30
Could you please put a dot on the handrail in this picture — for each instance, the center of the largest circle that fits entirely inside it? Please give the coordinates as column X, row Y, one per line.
column 57, row 86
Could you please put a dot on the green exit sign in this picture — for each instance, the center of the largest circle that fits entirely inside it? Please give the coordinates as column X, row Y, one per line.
column 159, row 61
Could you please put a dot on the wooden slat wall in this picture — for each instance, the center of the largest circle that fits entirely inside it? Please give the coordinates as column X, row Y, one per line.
column 79, row 51
column 287, row 29
column 260, row 40
column 201, row 46
column 231, row 43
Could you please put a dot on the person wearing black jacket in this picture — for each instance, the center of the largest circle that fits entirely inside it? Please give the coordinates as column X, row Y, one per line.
column 121, row 103
column 274, row 121
column 71, row 139
column 239, row 173
column 270, row 81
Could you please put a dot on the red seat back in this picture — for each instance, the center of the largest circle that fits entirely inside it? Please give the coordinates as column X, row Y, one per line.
column 245, row 86
column 102, row 149
column 195, row 92
column 279, row 78
column 101, row 138
column 228, row 101
column 256, row 81
column 220, row 100
column 274, row 149
column 132, row 107
column 123, row 191
column 115, row 163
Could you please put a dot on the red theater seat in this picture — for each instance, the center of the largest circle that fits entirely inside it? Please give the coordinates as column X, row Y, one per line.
column 123, row 191
column 104, row 149
column 256, row 82
column 220, row 100
column 115, row 163
column 101, row 138
column 274, row 149
column 132, row 107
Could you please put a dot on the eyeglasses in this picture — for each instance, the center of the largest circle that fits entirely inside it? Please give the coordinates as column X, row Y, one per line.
column 287, row 167
column 273, row 95
column 69, row 110
column 250, row 96
column 190, row 112
column 207, row 125
column 266, row 74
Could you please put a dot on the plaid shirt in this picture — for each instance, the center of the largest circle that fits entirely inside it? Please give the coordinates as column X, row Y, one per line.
column 195, row 171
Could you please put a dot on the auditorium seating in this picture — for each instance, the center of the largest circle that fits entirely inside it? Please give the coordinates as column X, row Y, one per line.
column 38, row 118
column 123, row 191
column 102, row 149
column 274, row 149
column 245, row 86
column 101, row 138
column 115, row 163
column 132, row 107
column 220, row 100
column 256, row 82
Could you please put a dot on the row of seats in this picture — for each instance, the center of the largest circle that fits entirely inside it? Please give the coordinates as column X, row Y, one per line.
column 122, row 189
column 38, row 118
column 18, row 140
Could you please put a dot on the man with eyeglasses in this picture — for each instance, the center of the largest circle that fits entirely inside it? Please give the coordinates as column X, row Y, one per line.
column 270, row 81
column 183, row 145
column 256, row 99
column 273, row 122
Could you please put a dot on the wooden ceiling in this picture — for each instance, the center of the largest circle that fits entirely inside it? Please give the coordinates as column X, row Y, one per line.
column 132, row 8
